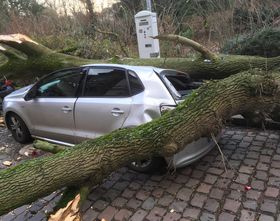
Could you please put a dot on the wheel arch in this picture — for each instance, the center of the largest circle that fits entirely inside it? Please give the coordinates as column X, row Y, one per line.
column 8, row 113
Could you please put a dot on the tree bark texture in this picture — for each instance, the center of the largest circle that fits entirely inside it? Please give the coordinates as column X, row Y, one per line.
column 201, row 114
column 39, row 60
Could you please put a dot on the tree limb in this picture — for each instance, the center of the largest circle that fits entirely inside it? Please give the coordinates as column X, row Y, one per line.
column 79, row 194
column 199, row 115
column 24, row 44
column 9, row 54
column 49, row 61
column 48, row 147
column 93, row 160
column 205, row 52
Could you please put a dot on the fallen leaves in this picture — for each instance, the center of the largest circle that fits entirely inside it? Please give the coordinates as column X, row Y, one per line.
column 7, row 163
column 29, row 150
column 248, row 187
column 2, row 124
column 69, row 213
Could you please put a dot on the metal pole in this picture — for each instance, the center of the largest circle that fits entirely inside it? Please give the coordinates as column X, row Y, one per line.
column 149, row 5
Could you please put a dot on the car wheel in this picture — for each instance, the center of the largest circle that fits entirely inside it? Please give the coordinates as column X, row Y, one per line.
column 18, row 128
column 148, row 165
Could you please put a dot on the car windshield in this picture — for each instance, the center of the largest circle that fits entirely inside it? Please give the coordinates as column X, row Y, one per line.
column 178, row 83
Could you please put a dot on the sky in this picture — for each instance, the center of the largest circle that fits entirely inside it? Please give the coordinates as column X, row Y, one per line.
column 76, row 4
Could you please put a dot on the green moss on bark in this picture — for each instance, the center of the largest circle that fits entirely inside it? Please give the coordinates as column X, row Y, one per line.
column 200, row 115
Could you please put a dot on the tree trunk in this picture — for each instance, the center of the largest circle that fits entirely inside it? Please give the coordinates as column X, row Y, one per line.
column 41, row 60
column 202, row 114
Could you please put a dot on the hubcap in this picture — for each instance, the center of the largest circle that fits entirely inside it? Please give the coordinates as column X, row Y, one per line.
column 16, row 127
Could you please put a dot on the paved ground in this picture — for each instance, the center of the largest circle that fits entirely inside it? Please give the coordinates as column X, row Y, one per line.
column 249, row 190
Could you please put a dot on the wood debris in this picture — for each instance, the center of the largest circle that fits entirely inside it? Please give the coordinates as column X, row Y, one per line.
column 2, row 124
column 7, row 163
column 69, row 213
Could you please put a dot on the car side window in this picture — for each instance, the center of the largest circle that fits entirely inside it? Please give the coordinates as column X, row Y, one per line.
column 106, row 82
column 135, row 84
column 61, row 84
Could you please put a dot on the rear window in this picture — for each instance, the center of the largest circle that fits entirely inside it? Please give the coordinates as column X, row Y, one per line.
column 178, row 83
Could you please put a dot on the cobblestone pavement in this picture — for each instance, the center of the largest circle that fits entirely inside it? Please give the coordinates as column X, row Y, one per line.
column 248, row 191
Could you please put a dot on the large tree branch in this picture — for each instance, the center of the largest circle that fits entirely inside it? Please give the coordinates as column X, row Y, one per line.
column 73, row 193
column 200, row 115
column 48, row 61
column 205, row 52
column 24, row 44
column 95, row 159
column 9, row 54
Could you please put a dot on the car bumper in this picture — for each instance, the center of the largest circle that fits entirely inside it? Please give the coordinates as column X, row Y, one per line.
column 193, row 152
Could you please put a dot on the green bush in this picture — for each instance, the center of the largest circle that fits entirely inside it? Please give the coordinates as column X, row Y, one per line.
column 187, row 32
column 264, row 43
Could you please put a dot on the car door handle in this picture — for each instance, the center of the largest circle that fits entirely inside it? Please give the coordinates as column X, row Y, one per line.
column 66, row 109
column 117, row 112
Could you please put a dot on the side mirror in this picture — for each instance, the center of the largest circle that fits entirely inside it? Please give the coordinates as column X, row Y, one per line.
column 31, row 94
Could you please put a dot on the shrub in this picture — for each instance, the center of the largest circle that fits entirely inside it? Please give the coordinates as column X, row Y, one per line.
column 263, row 43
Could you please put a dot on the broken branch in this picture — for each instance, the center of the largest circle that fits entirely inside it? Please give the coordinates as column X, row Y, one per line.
column 95, row 159
column 205, row 52
column 48, row 147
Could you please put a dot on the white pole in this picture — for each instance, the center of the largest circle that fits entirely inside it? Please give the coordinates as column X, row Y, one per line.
column 149, row 5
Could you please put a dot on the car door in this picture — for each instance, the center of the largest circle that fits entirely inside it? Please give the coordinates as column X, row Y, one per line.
column 105, row 103
column 52, row 110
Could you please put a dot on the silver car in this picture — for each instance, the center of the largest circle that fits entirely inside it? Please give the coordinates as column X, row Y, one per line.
column 72, row 105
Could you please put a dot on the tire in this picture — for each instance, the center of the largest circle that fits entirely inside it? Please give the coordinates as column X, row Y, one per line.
column 254, row 119
column 1, row 102
column 155, row 164
column 18, row 128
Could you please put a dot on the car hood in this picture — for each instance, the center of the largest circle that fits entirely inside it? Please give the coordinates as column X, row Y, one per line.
column 20, row 92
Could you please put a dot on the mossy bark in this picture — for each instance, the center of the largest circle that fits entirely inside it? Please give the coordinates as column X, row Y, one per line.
column 201, row 114
column 71, row 191
column 40, row 60
column 48, row 147
column 198, row 68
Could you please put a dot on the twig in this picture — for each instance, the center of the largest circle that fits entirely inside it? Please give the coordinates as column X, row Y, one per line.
column 220, row 150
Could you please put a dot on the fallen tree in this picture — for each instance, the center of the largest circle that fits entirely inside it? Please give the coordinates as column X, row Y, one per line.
column 93, row 160
column 202, row 114
column 28, row 60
